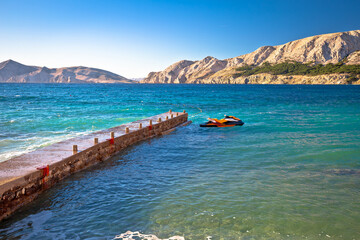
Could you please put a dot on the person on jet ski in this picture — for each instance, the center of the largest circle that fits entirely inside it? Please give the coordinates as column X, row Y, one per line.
column 211, row 120
column 231, row 118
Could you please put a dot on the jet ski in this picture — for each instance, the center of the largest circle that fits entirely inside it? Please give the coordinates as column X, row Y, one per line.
column 227, row 121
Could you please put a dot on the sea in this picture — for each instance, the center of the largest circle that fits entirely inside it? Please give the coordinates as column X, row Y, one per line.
column 292, row 171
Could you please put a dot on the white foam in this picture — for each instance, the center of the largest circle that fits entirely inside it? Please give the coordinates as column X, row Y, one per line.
column 137, row 235
column 32, row 143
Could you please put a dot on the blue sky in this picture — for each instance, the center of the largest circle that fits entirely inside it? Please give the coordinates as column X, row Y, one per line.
column 134, row 37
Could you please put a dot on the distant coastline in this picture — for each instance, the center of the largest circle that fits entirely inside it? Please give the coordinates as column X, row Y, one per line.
column 15, row 72
column 323, row 59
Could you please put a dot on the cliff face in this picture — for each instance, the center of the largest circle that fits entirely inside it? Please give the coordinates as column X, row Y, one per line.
column 353, row 58
column 265, row 78
column 321, row 49
column 11, row 71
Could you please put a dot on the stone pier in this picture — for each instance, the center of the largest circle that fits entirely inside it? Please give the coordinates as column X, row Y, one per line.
column 24, row 177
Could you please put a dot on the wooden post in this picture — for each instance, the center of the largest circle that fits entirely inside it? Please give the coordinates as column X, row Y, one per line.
column 159, row 120
column 177, row 114
column 172, row 115
column 184, row 111
column 127, row 130
column 75, row 149
column 167, row 118
column 150, row 122
column 140, row 125
column 96, row 141
column 112, row 135
column 170, row 111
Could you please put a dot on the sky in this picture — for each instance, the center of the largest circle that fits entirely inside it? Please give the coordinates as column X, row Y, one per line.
column 135, row 37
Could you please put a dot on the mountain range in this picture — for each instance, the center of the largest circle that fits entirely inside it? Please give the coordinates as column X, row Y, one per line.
column 323, row 59
column 14, row 72
column 334, row 48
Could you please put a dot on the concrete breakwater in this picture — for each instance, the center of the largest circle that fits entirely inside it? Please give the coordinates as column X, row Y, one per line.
column 24, row 177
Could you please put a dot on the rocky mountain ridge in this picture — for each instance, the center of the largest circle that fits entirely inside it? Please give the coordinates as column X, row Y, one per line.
column 320, row 49
column 14, row 72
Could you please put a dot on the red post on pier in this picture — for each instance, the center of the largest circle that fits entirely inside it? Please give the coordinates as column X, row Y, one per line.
column 150, row 124
column 45, row 170
column 112, row 138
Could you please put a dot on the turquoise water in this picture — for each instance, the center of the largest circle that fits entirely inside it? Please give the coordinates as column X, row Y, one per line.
column 291, row 172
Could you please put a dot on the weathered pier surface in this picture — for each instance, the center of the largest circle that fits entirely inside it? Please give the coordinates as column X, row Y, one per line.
column 24, row 177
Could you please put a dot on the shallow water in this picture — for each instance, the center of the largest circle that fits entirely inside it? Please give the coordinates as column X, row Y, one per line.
column 291, row 172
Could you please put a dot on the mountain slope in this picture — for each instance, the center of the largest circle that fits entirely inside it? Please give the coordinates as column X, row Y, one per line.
column 321, row 49
column 11, row 71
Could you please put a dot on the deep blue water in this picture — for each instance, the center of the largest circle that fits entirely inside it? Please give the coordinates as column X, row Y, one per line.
column 291, row 172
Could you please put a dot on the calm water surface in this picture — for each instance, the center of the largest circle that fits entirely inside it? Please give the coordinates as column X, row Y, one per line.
column 291, row 172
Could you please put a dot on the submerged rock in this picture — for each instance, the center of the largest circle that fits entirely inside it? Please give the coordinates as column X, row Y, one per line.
column 344, row 172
